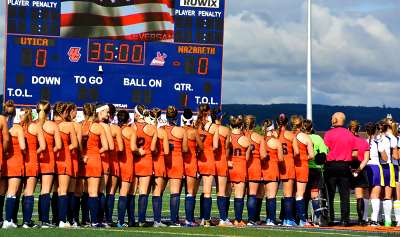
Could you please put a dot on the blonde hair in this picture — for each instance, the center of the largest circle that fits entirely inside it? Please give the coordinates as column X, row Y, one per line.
column 43, row 108
column 296, row 122
column 26, row 117
column 249, row 122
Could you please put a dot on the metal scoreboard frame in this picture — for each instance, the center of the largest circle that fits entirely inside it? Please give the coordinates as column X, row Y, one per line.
column 181, row 68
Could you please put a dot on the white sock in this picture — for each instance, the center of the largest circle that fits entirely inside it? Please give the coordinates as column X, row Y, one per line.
column 396, row 207
column 375, row 203
column 366, row 209
column 387, row 209
column 380, row 216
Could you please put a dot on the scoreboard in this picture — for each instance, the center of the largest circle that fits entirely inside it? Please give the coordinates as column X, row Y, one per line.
column 125, row 52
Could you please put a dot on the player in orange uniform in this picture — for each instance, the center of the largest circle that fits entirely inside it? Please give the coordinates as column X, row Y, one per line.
column 221, row 169
column 178, row 141
column 303, row 150
column 5, row 139
column 258, row 153
column 64, row 160
column 94, row 143
column 190, row 165
column 36, row 144
column 13, row 170
column 206, row 161
column 114, row 163
column 270, row 170
column 47, row 160
column 237, row 160
column 126, row 170
column 145, row 141
column 159, row 171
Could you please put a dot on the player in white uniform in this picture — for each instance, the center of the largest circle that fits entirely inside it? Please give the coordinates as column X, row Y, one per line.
column 396, row 163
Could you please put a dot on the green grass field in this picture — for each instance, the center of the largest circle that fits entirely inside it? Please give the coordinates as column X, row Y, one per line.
column 205, row 232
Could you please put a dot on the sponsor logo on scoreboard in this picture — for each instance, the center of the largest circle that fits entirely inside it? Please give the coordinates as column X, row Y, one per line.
column 200, row 3
column 159, row 60
column 74, row 54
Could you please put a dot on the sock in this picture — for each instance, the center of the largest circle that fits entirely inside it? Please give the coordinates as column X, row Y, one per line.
column 380, row 216
column 10, row 206
column 131, row 209
column 174, row 207
column 70, row 206
column 360, row 208
column 375, row 203
column 157, row 206
column 316, row 204
column 110, row 207
column 282, row 215
column 396, row 208
column 201, row 206
column 121, row 209
column 93, row 204
column 39, row 210
column 221, row 203
column 239, row 204
column 228, row 204
column 2, row 198
column 75, row 212
column 387, row 209
column 44, row 207
column 54, row 208
column 259, row 207
column 142, row 206
column 62, row 208
column 189, row 208
column 207, row 208
column 16, row 209
column 102, row 207
column 366, row 209
column 271, row 207
column 85, row 208
column 288, row 208
column 301, row 209
column 28, row 209
column 252, row 207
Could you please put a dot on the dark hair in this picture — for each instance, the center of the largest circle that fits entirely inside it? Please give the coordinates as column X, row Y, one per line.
column 111, row 110
column 236, row 122
column 59, row 109
column 216, row 114
column 266, row 124
column 370, row 128
column 141, row 109
column 354, row 126
column 9, row 108
column 383, row 126
column 307, row 126
column 171, row 112
column 123, row 117
column 88, row 110
column 202, row 117
column 281, row 122
column 155, row 113
column 187, row 113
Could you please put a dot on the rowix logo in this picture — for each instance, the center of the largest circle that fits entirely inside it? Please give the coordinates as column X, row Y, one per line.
column 200, row 3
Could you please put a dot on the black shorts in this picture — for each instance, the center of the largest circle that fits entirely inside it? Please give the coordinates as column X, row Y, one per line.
column 361, row 181
column 315, row 179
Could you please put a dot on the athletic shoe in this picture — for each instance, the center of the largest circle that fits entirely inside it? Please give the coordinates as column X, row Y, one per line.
column 374, row 223
column 174, row 225
column 75, row 225
column 251, row 223
column 223, row 223
column 64, row 225
column 106, row 225
column 239, row 224
column 9, row 225
column 45, row 225
column 122, row 226
column 228, row 222
column 27, row 225
column 388, row 223
column 304, row 223
column 190, row 224
column 202, row 222
column 270, row 223
column 159, row 224
column 290, row 223
column 96, row 225
column 207, row 223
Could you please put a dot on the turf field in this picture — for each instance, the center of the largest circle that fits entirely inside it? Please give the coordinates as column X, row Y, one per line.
column 206, row 232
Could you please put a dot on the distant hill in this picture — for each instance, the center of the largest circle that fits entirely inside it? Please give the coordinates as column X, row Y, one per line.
column 321, row 113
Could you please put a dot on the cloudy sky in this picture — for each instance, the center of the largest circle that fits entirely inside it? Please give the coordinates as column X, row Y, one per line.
column 356, row 52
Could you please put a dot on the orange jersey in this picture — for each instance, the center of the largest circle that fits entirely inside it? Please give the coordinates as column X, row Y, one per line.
column 91, row 144
column 303, row 152
column 286, row 167
column 301, row 163
column 158, row 160
column 14, row 164
column 254, row 164
column 114, row 164
column 143, row 164
column 238, row 171
column 1, row 151
column 206, row 159
column 63, row 160
column 126, row 161
column 31, row 159
column 47, row 157
column 174, row 160
column 190, row 159
column 269, row 166
column 221, row 163
column 75, row 163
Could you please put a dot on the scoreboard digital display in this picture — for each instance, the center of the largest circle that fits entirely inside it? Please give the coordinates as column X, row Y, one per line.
column 125, row 52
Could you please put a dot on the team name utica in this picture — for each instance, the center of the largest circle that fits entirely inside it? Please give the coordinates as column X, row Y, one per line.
column 183, row 49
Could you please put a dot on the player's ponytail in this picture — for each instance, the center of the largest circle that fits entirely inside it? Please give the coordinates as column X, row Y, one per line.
column 281, row 123
column 43, row 108
column 249, row 122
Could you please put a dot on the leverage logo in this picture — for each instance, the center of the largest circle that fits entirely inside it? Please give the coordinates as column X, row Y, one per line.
column 74, row 54
column 200, row 3
column 159, row 60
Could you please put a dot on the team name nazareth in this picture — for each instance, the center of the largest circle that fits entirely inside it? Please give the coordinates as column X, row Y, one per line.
column 196, row 50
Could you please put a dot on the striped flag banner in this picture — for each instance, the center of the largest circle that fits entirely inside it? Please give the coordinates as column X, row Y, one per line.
column 146, row 20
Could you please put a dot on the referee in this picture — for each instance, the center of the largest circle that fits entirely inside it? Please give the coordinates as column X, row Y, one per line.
column 341, row 143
